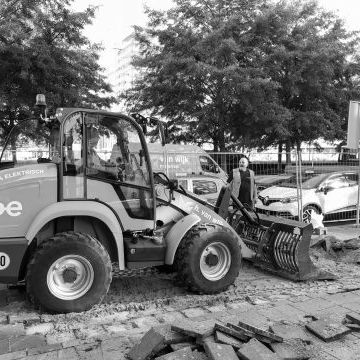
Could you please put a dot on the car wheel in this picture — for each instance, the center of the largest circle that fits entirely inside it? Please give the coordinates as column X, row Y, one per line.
column 69, row 272
column 307, row 213
column 208, row 259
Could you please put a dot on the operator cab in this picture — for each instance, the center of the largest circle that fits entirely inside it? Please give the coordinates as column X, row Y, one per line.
column 99, row 156
column 111, row 151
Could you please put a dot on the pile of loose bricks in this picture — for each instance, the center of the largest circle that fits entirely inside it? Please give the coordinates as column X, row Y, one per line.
column 232, row 340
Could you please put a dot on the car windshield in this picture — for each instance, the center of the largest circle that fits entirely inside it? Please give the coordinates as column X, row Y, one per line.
column 309, row 181
column 30, row 141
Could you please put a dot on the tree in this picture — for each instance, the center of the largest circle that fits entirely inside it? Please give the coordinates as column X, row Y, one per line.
column 246, row 72
column 314, row 60
column 199, row 70
column 43, row 50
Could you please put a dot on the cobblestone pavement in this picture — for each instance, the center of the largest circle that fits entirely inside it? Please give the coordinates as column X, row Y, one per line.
column 136, row 303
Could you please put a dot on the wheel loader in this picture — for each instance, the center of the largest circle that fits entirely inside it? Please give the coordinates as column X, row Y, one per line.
column 77, row 194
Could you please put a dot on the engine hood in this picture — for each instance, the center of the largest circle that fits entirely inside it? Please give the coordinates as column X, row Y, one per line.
column 278, row 192
column 26, row 173
column 24, row 191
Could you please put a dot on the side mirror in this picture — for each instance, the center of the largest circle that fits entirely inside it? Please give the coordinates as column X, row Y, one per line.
column 324, row 189
column 217, row 169
column 327, row 189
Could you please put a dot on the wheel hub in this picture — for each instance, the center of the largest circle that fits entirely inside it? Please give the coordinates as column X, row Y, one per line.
column 215, row 261
column 211, row 259
column 69, row 275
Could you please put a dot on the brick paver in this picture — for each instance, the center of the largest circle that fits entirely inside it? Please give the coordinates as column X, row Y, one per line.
column 67, row 354
column 313, row 305
column 35, row 337
column 14, row 355
column 193, row 312
column 6, row 331
column 43, row 328
column 26, row 342
column 145, row 322
column 171, row 316
column 353, row 306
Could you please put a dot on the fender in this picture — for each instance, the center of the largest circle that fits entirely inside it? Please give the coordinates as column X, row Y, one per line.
column 190, row 205
column 175, row 235
column 80, row 208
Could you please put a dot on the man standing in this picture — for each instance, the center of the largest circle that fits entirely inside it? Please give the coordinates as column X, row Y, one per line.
column 242, row 182
column 93, row 159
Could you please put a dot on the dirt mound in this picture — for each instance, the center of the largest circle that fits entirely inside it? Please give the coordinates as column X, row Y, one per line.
column 342, row 258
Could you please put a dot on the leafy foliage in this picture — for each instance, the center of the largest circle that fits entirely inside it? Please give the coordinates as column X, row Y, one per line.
column 313, row 59
column 252, row 73
column 43, row 50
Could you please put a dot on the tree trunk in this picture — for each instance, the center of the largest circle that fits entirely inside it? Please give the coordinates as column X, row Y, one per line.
column 215, row 144
column 280, row 157
column 220, row 141
column 13, row 141
column 288, row 152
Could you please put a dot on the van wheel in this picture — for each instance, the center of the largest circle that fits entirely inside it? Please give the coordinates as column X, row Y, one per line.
column 307, row 213
column 69, row 272
column 208, row 258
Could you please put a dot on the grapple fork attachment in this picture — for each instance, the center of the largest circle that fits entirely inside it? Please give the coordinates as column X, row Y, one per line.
column 282, row 246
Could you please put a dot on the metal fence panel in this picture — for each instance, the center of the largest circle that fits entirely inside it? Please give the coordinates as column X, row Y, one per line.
column 293, row 185
column 322, row 184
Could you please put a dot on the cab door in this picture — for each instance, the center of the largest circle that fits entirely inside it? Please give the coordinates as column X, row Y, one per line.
column 114, row 166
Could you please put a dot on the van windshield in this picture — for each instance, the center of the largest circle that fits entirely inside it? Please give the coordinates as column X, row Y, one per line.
column 31, row 142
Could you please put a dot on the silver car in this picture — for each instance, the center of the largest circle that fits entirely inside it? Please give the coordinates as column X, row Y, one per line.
column 328, row 194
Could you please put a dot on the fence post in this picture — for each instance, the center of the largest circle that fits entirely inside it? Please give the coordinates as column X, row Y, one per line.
column 299, row 184
column 358, row 193
column 166, row 161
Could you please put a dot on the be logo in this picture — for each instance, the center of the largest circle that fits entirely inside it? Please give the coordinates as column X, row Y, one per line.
column 13, row 208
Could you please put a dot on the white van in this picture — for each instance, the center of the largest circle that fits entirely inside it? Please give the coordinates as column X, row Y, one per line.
column 181, row 160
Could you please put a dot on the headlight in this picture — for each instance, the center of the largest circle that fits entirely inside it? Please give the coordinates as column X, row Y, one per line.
column 289, row 199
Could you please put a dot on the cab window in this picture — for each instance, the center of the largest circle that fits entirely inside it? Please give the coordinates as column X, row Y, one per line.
column 72, row 145
column 203, row 187
column 31, row 142
column 183, row 183
column 207, row 164
column 114, row 150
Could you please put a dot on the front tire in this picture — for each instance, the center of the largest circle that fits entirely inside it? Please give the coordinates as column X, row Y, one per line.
column 208, row 259
column 307, row 213
column 69, row 272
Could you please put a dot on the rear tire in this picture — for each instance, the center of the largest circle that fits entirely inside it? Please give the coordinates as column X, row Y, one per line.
column 208, row 258
column 69, row 272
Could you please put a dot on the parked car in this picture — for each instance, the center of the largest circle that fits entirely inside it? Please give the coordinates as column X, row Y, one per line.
column 207, row 187
column 265, row 181
column 329, row 194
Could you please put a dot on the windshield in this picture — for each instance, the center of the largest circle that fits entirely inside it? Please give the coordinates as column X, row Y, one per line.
column 309, row 181
column 31, row 142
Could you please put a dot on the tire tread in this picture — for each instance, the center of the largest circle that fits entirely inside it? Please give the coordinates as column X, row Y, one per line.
column 57, row 241
column 183, row 256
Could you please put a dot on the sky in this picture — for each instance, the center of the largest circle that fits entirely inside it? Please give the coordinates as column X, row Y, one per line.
column 114, row 19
